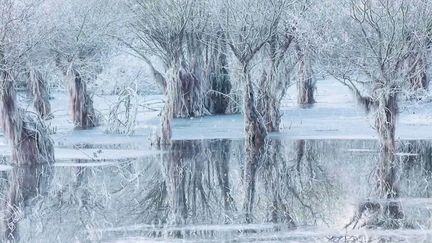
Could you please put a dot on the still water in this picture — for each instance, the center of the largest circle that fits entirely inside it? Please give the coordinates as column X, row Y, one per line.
column 208, row 191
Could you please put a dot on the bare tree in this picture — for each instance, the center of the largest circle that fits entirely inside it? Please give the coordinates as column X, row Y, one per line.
column 305, row 77
column 373, row 50
column 26, row 132
column 249, row 26
column 81, row 40
column 277, row 67
column 173, row 35
column 305, row 28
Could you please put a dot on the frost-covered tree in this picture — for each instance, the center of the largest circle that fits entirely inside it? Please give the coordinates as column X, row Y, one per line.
column 371, row 54
column 373, row 42
column 171, row 31
column 188, row 48
column 249, row 26
column 79, row 44
column 305, row 26
column 277, row 64
column 19, row 33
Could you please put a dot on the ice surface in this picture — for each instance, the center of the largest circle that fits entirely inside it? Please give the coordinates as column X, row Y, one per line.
column 104, row 184
column 336, row 115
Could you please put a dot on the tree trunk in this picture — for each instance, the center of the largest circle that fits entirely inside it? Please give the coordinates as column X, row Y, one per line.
column 184, row 89
column 255, row 139
column 274, row 83
column 305, row 82
column 270, row 95
column 385, row 124
column 27, row 134
column 164, row 137
column 217, row 73
column 387, row 187
column 172, row 96
column 267, row 104
column 254, row 126
column 184, row 99
column 188, row 67
column 83, row 113
column 40, row 94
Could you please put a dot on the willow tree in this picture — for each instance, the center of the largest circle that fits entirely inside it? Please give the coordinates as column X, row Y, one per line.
column 26, row 132
column 79, row 45
column 304, row 76
column 306, row 26
column 277, row 67
column 250, row 26
column 170, row 32
column 371, row 52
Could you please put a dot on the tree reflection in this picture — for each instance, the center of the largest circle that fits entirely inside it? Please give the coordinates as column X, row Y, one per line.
column 383, row 208
column 27, row 186
column 195, row 186
column 211, row 189
column 301, row 191
column 198, row 185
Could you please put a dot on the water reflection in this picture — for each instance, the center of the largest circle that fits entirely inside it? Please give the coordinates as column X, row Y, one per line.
column 213, row 190
column 26, row 187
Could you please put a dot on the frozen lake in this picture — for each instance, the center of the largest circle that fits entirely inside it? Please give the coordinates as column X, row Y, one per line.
column 195, row 191
column 309, row 183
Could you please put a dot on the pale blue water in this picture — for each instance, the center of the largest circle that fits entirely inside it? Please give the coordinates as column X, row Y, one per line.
column 207, row 191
